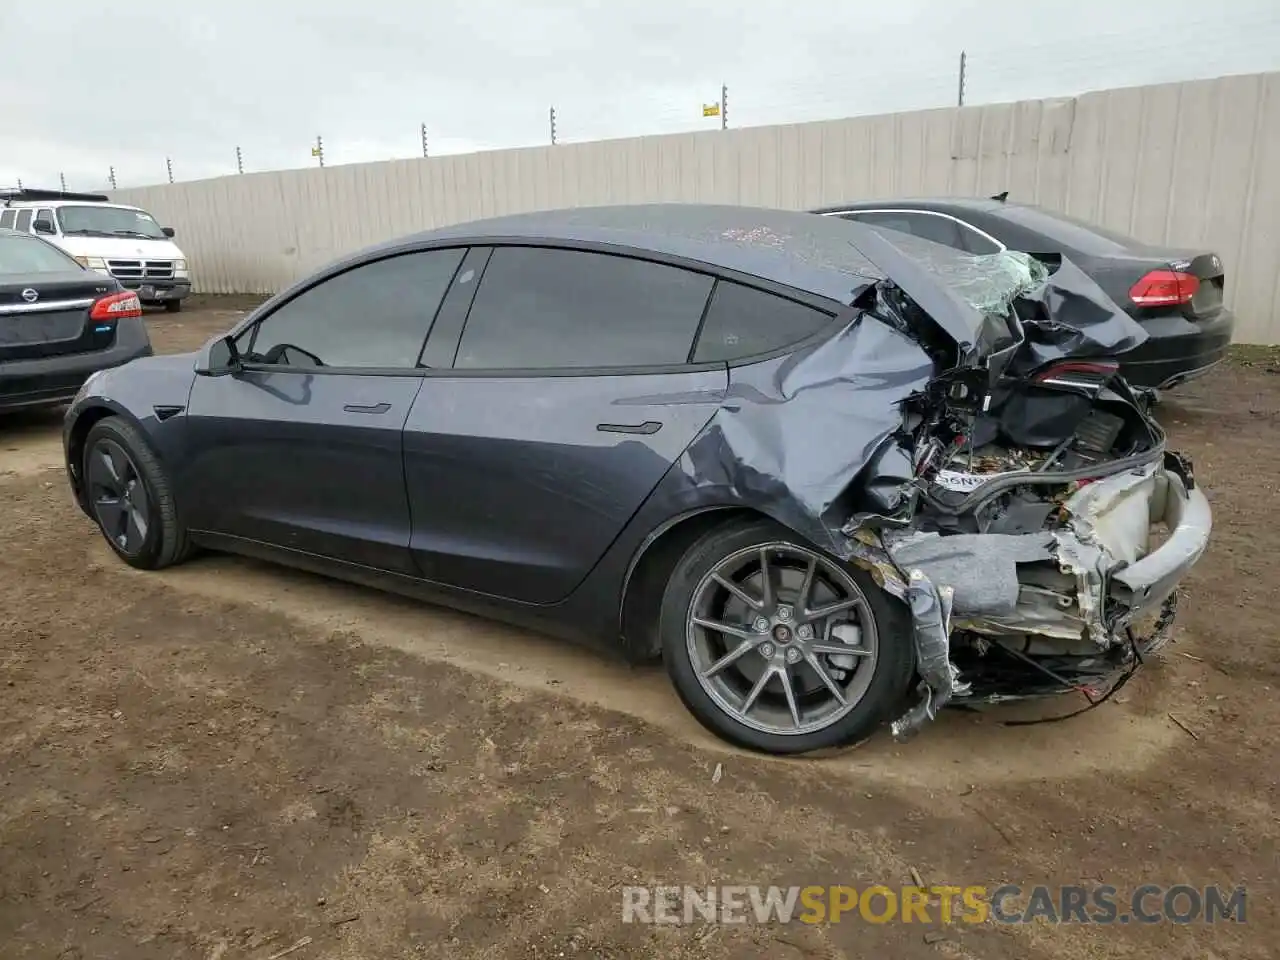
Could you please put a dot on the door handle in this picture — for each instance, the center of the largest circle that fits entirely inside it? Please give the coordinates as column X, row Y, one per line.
column 366, row 407
column 646, row 428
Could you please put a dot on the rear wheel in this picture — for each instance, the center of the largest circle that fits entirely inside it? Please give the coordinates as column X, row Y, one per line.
column 776, row 646
column 173, row 306
column 130, row 497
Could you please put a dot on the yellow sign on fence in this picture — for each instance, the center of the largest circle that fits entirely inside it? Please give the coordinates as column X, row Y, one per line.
column 711, row 109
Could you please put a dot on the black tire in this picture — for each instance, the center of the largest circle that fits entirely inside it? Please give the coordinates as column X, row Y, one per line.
column 893, row 668
column 165, row 542
column 173, row 306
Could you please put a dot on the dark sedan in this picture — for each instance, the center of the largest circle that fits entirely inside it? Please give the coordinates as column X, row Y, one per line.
column 794, row 461
column 59, row 323
column 1175, row 294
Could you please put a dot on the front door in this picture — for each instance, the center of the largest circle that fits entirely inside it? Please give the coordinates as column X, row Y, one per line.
column 309, row 462
column 303, row 449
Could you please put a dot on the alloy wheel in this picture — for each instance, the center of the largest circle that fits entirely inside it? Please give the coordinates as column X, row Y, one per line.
column 782, row 638
column 118, row 495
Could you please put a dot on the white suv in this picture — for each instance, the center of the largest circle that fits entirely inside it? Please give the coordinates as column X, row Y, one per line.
column 121, row 241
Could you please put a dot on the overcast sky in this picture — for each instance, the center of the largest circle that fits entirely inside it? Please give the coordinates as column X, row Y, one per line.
column 132, row 82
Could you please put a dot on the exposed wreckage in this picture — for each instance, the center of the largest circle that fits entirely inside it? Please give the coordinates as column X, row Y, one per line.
column 1022, row 534
column 1013, row 500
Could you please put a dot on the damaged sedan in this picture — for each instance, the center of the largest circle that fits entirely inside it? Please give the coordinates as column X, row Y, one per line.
column 830, row 479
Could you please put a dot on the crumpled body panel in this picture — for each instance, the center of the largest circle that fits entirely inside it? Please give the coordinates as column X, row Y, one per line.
column 793, row 433
column 828, row 439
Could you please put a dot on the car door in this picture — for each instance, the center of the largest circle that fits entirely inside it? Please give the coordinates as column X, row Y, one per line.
column 570, row 397
column 303, row 448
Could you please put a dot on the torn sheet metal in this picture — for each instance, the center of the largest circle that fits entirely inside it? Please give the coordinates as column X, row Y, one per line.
column 1062, row 312
column 793, row 434
column 1070, row 316
column 931, row 615
column 823, row 441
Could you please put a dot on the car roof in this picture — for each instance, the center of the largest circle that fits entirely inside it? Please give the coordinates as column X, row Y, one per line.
column 922, row 203
column 816, row 255
column 46, row 204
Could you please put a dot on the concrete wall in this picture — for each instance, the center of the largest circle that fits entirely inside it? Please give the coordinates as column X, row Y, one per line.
column 1191, row 164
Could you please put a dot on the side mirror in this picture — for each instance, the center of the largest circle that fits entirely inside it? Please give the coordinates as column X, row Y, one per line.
column 218, row 358
column 167, row 231
column 45, row 228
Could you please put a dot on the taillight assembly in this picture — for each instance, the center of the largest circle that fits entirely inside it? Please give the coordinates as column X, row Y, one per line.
column 117, row 306
column 1164, row 288
column 1070, row 372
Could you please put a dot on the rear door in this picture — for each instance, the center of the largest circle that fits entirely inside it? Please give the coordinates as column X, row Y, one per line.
column 571, row 394
column 303, row 449
column 45, row 299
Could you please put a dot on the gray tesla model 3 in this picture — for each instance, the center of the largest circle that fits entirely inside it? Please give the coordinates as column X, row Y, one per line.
column 829, row 478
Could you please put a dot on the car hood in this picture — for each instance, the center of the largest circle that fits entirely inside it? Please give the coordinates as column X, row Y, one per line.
column 120, row 247
column 1032, row 311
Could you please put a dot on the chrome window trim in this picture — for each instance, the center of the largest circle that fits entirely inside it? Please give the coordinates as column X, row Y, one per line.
column 1000, row 247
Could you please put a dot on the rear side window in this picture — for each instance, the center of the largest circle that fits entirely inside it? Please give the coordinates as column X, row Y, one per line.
column 932, row 227
column 541, row 308
column 6, row 219
column 24, row 220
column 374, row 315
column 942, row 230
column 743, row 322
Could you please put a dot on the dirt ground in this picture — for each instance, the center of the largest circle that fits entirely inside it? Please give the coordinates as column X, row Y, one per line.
column 226, row 759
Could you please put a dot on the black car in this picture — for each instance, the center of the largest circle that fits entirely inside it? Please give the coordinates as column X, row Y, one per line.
column 792, row 460
column 1175, row 294
column 59, row 323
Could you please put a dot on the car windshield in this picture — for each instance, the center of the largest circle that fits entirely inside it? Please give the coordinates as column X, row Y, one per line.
column 103, row 221
column 21, row 254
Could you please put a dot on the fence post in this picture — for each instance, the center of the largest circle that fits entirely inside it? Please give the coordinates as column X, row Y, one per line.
column 111, row 175
column 724, row 107
column 553, row 126
column 964, row 62
column 239, row 161
column 62, row 178
column 424, row 139
column 168, row 164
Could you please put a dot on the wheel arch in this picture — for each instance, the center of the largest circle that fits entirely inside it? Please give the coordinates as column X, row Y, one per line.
column 77, row 433
column 651, row 566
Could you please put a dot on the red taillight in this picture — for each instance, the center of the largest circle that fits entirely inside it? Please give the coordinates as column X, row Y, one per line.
column 117, row 306
column 1087, row 368
column 1164, row 288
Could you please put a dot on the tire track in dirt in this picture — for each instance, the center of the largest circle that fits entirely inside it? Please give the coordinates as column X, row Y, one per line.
column 1125, row 736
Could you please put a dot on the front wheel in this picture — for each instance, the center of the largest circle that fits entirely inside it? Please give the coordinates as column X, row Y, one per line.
column 776, row 646
column 130, row 497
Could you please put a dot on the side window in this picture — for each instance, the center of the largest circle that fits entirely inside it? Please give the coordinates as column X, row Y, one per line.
column 926, row 226
column 975, row 242
column 6, row 218
column 374, row 315
column 742, row 322
column 539, row 308
column 23, row 222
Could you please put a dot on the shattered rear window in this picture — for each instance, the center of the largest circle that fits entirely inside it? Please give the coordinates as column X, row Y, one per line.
column 988, row 282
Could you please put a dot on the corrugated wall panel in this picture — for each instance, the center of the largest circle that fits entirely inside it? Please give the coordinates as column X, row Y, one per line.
column 1190, row 164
